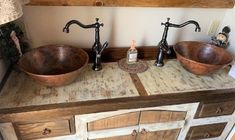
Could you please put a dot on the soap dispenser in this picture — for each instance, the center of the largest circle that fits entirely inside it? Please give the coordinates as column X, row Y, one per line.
column 132, row 54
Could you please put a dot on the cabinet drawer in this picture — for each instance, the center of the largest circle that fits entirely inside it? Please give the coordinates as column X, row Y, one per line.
column 215, row 109
column 205, row 131
column 29, row 131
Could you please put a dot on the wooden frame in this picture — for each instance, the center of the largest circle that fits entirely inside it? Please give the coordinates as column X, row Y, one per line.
column 138, row 3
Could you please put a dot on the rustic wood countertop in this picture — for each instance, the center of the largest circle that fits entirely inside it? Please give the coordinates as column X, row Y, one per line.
column 122, row 88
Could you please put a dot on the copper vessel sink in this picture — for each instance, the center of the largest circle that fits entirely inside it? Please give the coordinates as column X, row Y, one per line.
column 54, row 65
column 201, row 58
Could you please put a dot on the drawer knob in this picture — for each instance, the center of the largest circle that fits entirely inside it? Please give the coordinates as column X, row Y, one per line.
column 46, row 131
column 219, row 110
column 99, row 3
column 144, row 131
column 207, row 135
column 134, row 133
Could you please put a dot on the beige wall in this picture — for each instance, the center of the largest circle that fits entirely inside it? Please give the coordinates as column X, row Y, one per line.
column 229, row 20
column 44, row 24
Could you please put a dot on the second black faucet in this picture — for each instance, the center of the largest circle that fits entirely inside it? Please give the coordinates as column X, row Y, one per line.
column 164, row 48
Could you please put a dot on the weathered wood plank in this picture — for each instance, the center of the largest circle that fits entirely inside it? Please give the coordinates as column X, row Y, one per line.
column 139, row 86
column 173, row 78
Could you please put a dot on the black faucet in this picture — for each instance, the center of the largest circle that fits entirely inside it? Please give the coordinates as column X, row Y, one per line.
column 97, row 47
column 164, row 48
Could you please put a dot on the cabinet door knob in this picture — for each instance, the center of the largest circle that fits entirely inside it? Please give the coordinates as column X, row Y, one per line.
column 99, row 3
column 134, row 133
column 207, row 135
column 219, row 110
column 46, row 131
column 144, row 131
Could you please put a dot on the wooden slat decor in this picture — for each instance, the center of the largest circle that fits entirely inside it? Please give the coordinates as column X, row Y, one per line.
column 161, row 116
column 138, row 3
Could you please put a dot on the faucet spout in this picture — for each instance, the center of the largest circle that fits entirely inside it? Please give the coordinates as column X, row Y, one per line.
column 97, row 48
column 197, row 29
column 71, row 22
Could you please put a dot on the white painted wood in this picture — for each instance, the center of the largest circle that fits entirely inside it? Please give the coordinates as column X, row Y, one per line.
column 189, row 117
column 230, row 119
column 161, row 126
column 112, row 132
column 231, row 134
column 7, row 131
column 69, row 137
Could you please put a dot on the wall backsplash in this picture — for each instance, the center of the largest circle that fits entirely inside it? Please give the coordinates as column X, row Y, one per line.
column 44, row 24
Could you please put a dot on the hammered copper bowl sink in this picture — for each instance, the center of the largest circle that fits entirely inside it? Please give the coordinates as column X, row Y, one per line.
column 54, row 65
column 201, row 58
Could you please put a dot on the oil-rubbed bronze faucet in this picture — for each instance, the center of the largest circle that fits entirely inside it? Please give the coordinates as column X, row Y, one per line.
column 97, row 47
column 164, row 48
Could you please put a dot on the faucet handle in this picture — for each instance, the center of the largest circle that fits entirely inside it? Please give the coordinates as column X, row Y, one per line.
column 97, row 22
column 168, row 19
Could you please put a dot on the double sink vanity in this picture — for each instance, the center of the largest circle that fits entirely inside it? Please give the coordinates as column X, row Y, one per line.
column 160, row 103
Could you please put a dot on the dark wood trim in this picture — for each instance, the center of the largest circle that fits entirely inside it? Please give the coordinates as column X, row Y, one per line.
column 116, row 53
column 138, row 85
column 56, row 111
column 138, row 3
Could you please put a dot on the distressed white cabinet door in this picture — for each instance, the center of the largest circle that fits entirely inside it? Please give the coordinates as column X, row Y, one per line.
column 128, row 124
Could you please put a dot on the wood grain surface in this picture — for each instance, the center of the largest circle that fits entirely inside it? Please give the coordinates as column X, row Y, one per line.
column 28, row 131
column 161, row 116
column 138, row 3
column 124, row 120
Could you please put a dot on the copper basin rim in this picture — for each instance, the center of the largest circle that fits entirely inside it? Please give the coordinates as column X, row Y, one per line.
column 54, row 65
column 202, row 58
